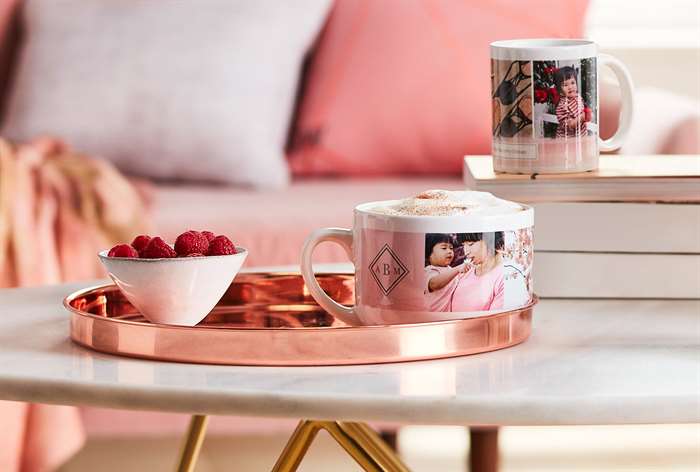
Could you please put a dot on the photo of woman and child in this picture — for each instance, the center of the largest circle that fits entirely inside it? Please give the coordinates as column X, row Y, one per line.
column 565, row 98
column 464, row 272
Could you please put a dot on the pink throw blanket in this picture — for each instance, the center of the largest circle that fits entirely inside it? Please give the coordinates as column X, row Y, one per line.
column 57, row 209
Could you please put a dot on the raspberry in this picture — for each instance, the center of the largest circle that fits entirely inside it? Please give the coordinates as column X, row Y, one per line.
column 157, row 248
column 209, row 235
column 191, row 242
column 221, row 246
column 140, row 242
column 122, row 250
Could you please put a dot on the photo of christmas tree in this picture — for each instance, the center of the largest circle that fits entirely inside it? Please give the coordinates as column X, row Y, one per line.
column 565, row 101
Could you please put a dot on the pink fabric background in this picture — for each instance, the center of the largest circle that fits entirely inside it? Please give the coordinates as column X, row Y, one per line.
column 404, row 87
column 28, row 440
column 49, row 235
column 37, row 438
column 345, row 99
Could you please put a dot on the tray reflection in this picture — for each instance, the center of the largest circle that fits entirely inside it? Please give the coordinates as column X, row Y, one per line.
column 253, row 301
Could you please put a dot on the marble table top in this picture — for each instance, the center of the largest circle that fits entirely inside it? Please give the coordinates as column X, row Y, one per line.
column 587, row 362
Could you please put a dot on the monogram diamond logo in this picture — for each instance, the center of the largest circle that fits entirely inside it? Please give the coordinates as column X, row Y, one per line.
column 387, row 269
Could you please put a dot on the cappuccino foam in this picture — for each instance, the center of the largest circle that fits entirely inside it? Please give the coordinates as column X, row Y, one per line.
column 448, row 203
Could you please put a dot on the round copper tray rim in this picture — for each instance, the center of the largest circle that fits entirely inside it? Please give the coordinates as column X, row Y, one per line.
column 271, row 320
column 85, row 291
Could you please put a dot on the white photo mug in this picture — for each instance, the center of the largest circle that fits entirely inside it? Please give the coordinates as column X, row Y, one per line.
column 545, row 105
column 432, row 265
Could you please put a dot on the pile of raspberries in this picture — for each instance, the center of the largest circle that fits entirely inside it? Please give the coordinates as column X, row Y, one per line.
column 189, row 244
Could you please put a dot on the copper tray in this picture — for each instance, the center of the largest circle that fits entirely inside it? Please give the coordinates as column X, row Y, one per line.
column 270, row 319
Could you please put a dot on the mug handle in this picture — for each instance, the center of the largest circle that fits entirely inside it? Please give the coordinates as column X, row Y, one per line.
column 627, row 110
column 339, row 236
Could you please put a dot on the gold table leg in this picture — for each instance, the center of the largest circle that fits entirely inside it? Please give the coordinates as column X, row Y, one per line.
column 193, row 443
column 358, row 440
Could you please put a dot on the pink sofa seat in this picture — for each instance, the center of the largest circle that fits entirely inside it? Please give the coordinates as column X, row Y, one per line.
column 273, row 226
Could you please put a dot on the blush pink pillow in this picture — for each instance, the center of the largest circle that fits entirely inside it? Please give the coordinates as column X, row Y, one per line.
column 400, row 87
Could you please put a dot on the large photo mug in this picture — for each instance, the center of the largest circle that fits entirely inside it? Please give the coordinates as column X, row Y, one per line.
column 420, row 268
column 545, row 105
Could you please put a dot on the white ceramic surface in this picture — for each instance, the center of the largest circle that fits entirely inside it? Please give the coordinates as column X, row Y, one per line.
column 545, row 49
column 587, row 362
column 375, row 234
column 177, row 291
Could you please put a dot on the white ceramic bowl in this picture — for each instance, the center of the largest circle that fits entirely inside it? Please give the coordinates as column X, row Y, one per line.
column 177, row 291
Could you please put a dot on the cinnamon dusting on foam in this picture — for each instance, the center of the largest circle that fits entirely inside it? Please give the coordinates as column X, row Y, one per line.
column 448, row 203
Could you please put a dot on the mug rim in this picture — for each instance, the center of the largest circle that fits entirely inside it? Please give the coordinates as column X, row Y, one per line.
column 542, row 49
column 465, row 223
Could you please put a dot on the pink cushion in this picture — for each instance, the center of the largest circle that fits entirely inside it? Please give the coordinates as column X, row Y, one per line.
column 404, row 87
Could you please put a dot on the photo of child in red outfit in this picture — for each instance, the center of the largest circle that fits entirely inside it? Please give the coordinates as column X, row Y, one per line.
column 565, row 100
column 572, row 114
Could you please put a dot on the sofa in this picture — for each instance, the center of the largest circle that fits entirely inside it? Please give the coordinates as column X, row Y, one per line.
column 272, row 221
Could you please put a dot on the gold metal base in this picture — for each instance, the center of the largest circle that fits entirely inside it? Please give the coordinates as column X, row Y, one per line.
column 358, row 440
column 193, row 443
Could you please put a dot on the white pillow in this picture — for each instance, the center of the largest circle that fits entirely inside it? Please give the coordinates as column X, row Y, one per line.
column 196, row 90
